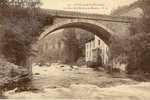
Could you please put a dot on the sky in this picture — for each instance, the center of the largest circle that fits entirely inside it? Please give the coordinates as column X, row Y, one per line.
column 86, row 6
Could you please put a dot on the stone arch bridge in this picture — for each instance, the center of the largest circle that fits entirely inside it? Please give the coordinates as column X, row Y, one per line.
column 104, row 26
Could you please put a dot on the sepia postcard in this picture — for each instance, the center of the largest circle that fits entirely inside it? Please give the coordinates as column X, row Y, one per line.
column 75, row 49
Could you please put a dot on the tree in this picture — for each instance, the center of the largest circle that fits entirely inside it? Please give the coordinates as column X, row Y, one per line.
column 25, row 3
column 21, row 29
column 72, row 44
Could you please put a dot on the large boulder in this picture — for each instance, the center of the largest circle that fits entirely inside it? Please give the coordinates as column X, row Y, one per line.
column 10, row 72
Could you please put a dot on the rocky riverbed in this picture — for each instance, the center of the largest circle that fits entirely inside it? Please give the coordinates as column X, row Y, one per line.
column 73, row 82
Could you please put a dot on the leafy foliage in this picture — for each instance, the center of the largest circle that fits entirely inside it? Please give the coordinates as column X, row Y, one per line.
column 20, row 28
column 137, row 47
column 139, row 54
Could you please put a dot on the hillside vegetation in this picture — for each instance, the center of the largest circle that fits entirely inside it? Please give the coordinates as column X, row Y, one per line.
column 136, row 48
column 20, row 27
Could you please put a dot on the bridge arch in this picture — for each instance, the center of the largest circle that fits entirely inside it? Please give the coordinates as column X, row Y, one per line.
column 98, row 29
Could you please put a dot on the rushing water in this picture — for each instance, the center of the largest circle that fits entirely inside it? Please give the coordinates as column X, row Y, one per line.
column 51, row 82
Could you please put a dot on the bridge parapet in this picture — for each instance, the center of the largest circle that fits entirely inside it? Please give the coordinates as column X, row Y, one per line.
column 79, row 15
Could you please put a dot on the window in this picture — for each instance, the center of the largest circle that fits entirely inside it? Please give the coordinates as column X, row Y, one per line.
column 59, row 45
column 56, row 46
column 99, row 42
column 46, row 46
column 53, row 46
column 87, row 54
column 90, row 45
column 62, row 45
column 93, row 44
column 87, row 46
column 90, row 54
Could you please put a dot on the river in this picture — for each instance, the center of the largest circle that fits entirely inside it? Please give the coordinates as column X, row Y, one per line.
column 65, row 82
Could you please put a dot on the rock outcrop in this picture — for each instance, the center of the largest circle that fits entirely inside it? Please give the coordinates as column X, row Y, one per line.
column 10, row 74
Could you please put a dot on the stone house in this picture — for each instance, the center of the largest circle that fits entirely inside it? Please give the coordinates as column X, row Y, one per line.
column 57, row 48
column 97, row 51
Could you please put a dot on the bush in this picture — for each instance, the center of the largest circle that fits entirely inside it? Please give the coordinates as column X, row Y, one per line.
column 81, row 61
